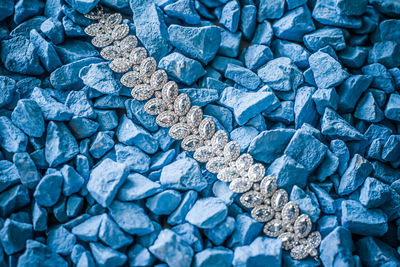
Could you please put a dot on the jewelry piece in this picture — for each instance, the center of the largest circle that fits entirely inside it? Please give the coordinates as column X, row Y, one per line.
column 269, row 204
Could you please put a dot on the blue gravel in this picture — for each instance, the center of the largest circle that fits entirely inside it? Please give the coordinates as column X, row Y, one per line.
column 309, row 88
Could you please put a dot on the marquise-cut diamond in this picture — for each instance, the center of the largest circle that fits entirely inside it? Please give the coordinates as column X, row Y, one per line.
column 179, row 131
column 256, row 172
column 95, row 29
column 102, row 40
column 228, row 174
column 166, row 119
column 148, row 66
column 216, row 164
column 203, row 154
column 231, row 151
column 279, row 199
column 288, row 240
column 158, row 79
column 191, row 142
column 137, row 55
column 194, row 116
column 263, row 213
column 251, row 199
column 120, row 65
column 314, row 239
column 128, row 43
column 154, row 106
column 120, row 31
column 240, row 185
column 182, row 104
column 206, row 128
column 273, row 228
column 290, row 212
column 299, row 252
column 131, row 79
column 110, row 52
column 219, row 139
column 170, row 92
column 268, row 186
column 302, row 225
column 244, row 162
column 142, row 92
column 114, row 19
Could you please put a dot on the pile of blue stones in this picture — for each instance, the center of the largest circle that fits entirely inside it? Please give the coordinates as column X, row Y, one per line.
column 309, row 88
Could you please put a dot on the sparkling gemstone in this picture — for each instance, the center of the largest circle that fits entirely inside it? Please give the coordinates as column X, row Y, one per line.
column 256, row 172
column 314, row 239
column 102, row 40
column 240, row 185
column 128, row 43
column 110, row 52
column 137, row 55
column 288, row 240
column 179, row 131
column 120, row 31
column 148, row 66
column 244, row 162
column 194, row 116
column 120, row 65
column 231, row 151
column 302, row 225
column 290, row 212
column 182, row 104
column 299, row 252
column 228, row 174
column 273, row 228
column 94, row 14
column 131, row 79
column 142, row 92
column 154, row 106
column 166, row 119
column 262, row 213
column 114, row 19
column 206, row 128
column 191, row 143
column 170, row 91
column 268, row 186
column 203, row 154
column 216, row 164
column 158, row 79
column 94, row 29
column 219, row 139
column 251, row 199
column 279, row 199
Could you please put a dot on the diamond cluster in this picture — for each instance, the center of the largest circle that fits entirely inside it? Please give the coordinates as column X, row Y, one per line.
column 222, row 157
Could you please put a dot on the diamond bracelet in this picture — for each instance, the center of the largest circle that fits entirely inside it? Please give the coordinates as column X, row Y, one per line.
column 269, row 204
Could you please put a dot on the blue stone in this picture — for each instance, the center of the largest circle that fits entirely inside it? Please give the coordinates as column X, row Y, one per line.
column 328, row 12
column 206, row 213
column 48, row 190
column 368, row 110
column 363, row 221
column 214, row 256
column 291, row 4
column 26, row 9
column 307, row 204
column 328, row 166
column 102, row 143
column 27, row 116
column 181, row 68
column 112, row 235
column 246, row 231
column 61, row 241
column 164, row 203
column 133, row 157
column 106, row 256
column 27, row 170
column 46, row 51
column 374, row 193
column 386, row 53
column 326, row 202
column 242, row 76
column 381, row 77
column 334, row 126
column 201, row 96
column 221, row 231
column 129, row 134
column 389, row 30
column 375, row 252
column 73, row 181
column 353, row 56
column 326, row 224
column 13, row 236
column 161, row 159
column 82, row 127
column 178, row 216
column 221, row 190
column 220, row 63
column 172, row 249
column 248, row 23
column 305, row 110
column 107, row 119
column 68, row 77
column 288, row 172
column 200, row 43
column 150, row 28
column 247, row 105
column 323, row 37
column 230, row 16
column 325, row 98
column 88, row 229
column 12, row 139
column 257, row 55
column 351, row 90
column 13, row 199
column 392, row 109
column 263, row 34
column 123, row 212
column 261, row 251
column 50, row 107
column 269, row 145
column 244, row 136
column 60, row 146
column 298, row 54
column 327, row 71
column 140, row 256
column 36, row 253
column 74, row 206
column 9, row 174
column 355, row 175
column 39, row 218
column 6, row 9
column 101, row 78
column 105, row 180
column 110, row 102
column 391, row 149
column 8, row 91
column 72, row 29
column 183, row 174
column 53, row 30
column 83, row 6
column 230, row 43
column 73, row 50
column 281, row 74
column 24, row 28
column 80, row 105
column 270, row 9
column 336, row 248
column 284, row 28
column 183, row 10
column 19, row 55
column 190, row 234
